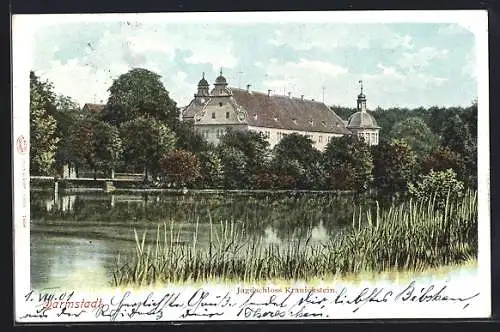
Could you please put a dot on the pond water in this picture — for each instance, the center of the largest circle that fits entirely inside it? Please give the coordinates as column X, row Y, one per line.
column 76, row 238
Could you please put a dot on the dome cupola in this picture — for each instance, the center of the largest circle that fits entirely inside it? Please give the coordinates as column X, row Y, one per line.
column 203, row 82
column 221, row 80
column 203, row 87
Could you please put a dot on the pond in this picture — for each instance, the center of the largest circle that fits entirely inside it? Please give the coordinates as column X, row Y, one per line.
column 77, row 237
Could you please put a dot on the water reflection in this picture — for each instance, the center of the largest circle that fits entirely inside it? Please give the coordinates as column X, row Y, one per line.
column 76, row 237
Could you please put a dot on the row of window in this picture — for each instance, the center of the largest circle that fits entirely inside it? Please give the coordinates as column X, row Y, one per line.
column 220, row 132
column 280, row 135
column 213, row 115
column 369, row 137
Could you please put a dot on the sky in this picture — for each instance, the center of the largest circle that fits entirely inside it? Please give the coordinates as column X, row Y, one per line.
column 400, row 64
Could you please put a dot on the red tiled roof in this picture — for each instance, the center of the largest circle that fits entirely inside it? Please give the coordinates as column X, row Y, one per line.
column 282, row 112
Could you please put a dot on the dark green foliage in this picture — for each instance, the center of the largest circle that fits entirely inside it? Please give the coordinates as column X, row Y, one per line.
column 143, row 151
column 348, row 163
column 394, row 166
column 140, row 92
column 43, row 127
column 417, row 134
column 294, row 156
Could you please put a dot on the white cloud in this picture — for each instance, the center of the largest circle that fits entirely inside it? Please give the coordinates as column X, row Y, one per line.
column 81, row 82
column 330, row 37
column 387, row 86
column 179, row 88
column 453, row 29
column 413, row 61
column 470, row 67
column 87, row 77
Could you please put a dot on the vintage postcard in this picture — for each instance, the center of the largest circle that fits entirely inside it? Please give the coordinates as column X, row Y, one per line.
column 251, row 166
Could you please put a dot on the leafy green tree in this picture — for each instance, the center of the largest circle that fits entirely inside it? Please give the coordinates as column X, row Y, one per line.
column 189, row 139
column 458, row 137
column 43, row 135
column 437, row 186
column 140, row 92
column 348, row 163
column 108, row 146
column 145, row 141
column 394, row 166
column 211, row 169
column 234, row 167
column 180, row 167
column 67, row 114
column 296, row 156
column 416, row 133
column 442, row 158
column 253, row 145
column 81, row 147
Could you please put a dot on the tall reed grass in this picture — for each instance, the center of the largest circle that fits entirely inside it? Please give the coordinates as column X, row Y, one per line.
column 413, row 235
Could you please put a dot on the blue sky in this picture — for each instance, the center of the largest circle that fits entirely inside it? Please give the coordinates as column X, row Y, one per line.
column 401, row 64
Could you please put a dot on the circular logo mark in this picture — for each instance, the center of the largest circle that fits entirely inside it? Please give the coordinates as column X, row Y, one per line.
column 22, row 144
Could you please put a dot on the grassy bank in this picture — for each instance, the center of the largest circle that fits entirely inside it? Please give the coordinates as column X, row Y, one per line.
column 411, row 236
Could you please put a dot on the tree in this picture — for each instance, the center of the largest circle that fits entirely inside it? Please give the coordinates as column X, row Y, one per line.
column 43, row 135
column 108, row 146
column 394, row 166
column 81, row 147
column 234, row 167
column 296, row 157
column 253, row 145
column 416, row 133
column 189, row 139
column 140, row 92
column 180, row 167
column 211, row 169
column 437, row 186
column 348, row 163
column 442, row 158
column 458, row 137
column 67, row 114
column 145, row 141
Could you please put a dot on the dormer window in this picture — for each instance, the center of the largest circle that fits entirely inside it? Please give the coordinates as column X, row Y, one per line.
column 276, row 118
column 213, row 115
column 294, row 121
column 255, row 116
column 311, row 122
column 227, row 115
column 323, row 123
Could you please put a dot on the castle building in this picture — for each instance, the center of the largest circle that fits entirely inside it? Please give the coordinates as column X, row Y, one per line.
column 274, row 116
column 362, row 123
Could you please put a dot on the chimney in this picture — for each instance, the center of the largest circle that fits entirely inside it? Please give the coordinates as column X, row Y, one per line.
column 301, row 97
column 289, row 95
column 248, row 87
column 269, row 92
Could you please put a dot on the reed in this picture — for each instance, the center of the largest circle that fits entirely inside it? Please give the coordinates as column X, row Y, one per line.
column 413, row 236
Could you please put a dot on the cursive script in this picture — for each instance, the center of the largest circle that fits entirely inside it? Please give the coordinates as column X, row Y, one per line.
column 239, row 303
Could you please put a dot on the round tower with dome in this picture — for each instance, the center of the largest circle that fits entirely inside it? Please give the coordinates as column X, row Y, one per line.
column 363, row 124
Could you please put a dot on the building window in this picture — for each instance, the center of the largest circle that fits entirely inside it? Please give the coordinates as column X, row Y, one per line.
column 213, row 115
column 320, row 139
column 227, row 115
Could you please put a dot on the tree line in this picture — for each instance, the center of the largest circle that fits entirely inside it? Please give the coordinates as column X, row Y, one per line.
column 139, row 130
